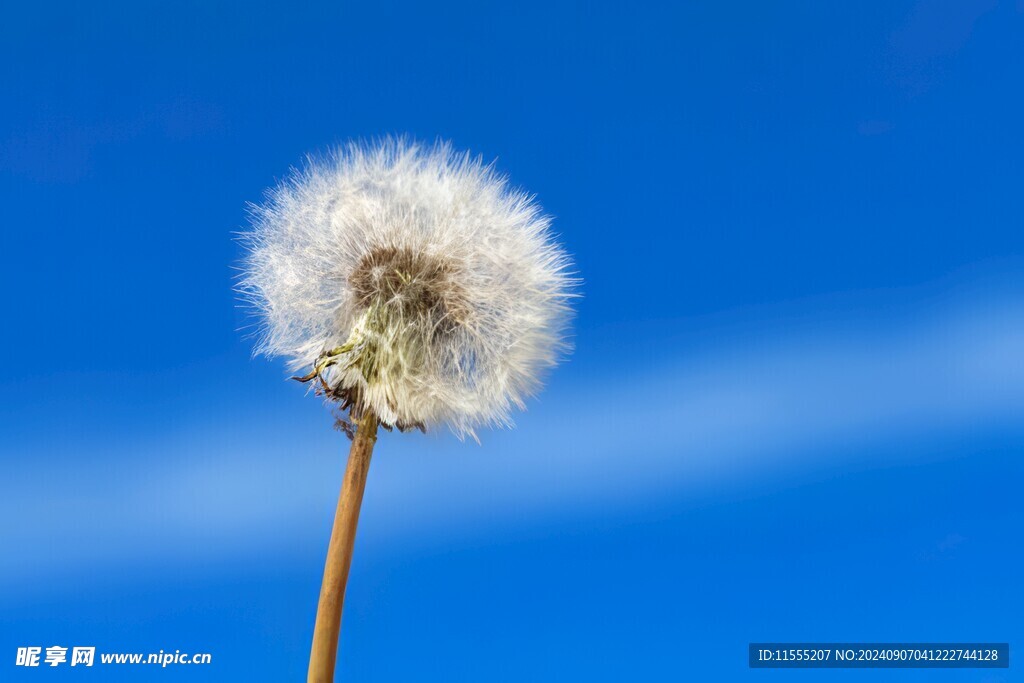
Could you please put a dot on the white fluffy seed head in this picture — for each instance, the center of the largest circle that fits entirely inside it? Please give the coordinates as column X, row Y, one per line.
column 411, row 281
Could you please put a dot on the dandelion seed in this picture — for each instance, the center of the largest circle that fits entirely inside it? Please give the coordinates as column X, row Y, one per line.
column 413, row 281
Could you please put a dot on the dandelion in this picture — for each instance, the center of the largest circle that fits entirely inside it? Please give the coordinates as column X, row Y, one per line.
column 412, row 287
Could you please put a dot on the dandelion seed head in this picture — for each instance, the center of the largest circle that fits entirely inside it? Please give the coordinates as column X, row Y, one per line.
column 413, row 280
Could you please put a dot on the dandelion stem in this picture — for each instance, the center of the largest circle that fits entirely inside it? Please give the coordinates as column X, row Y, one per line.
column 339, row 553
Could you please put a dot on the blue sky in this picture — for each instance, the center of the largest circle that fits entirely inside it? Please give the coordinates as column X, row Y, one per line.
column 795, row 407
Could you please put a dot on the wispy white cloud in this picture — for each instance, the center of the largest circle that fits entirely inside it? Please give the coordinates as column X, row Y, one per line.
column 716, row 417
